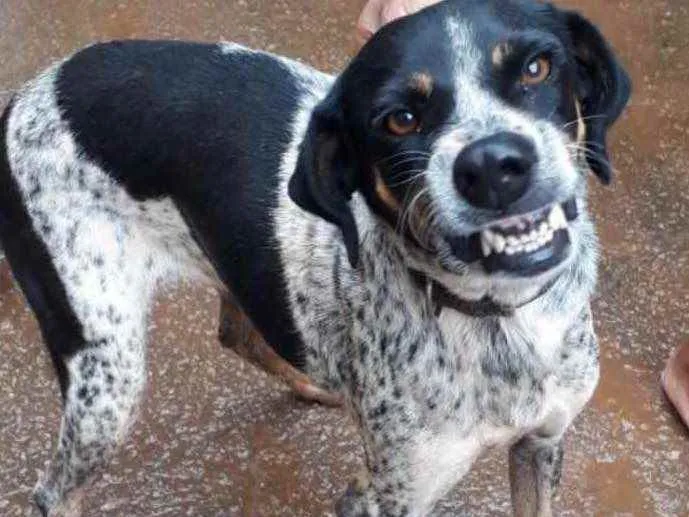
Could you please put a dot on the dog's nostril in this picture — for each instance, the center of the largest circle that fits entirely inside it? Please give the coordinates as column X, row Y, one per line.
column 471, row 179
column 513, row 166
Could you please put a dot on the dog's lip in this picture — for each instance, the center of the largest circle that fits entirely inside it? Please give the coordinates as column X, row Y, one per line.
column 520, row 222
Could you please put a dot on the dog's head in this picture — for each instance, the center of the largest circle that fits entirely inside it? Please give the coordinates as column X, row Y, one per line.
column 470, row 127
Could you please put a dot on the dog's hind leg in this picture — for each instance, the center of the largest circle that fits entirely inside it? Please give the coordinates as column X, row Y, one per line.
column 106, row 379
column 92, row 315
column 237, row 333
column 87, row 266
column 104, row 372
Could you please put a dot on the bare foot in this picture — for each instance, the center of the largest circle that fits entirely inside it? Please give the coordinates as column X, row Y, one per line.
column 675, row 381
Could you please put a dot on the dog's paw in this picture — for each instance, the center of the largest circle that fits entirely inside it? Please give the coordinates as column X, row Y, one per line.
column 45, row 496
column 50, row 504
column 357, row 501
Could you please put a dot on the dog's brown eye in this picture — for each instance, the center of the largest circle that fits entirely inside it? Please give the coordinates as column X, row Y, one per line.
column 402, row 123
column 536, row 71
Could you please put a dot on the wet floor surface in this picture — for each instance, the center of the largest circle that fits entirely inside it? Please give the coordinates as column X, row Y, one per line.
column 216, row 437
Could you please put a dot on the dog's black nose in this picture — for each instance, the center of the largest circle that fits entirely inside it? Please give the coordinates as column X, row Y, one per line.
column 495, row 171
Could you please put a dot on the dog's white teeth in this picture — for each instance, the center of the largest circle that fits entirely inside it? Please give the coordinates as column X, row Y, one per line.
column 557, row 219
column 526, row 241
column 486, row 243
column 499, row 243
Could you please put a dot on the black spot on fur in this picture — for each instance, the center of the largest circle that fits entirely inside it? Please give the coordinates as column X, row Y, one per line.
column 413, row 348
column 81, row 394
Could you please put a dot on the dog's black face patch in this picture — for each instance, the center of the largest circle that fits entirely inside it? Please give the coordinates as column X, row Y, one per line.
column 470, row 127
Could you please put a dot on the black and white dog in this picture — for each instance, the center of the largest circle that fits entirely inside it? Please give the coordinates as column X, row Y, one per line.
column 412, row 234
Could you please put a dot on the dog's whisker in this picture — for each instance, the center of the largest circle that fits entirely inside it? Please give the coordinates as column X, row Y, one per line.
column 594, row 155
column 400, row 155
column 414, row 215
column 576, row 120
column 395, row 165
column 399, row 229
column 592, row 143
column 413, row 176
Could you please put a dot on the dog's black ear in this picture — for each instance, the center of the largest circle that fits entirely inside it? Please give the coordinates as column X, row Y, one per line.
column 603, row 88
column 326, row 173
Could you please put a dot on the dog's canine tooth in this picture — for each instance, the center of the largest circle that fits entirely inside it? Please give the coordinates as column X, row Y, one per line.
column 557, row 219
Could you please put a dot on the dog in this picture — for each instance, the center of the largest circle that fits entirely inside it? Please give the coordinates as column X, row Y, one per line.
column 412, row 234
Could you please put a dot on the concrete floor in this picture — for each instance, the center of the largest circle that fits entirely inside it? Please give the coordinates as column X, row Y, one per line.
column 217, row 438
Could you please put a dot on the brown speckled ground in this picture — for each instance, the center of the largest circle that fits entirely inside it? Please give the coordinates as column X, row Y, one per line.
column 217, row 438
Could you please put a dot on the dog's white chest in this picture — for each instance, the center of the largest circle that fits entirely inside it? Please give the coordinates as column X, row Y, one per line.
column 514, row 369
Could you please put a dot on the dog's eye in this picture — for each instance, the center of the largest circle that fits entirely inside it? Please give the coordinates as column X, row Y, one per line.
column 402, row 123
column 537, row 71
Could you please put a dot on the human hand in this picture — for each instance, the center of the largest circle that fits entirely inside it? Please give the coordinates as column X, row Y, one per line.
column 377, row 13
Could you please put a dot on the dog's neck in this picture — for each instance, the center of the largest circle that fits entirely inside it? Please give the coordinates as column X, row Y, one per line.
column 441, row 297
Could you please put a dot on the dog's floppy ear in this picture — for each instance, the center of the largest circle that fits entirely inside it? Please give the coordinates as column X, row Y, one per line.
column 603, row 89
column 326, row 173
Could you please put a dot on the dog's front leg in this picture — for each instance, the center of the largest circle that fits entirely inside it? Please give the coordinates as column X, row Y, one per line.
column 384, row 489
column 407, row 478
column 535, row 468
column 412, row 460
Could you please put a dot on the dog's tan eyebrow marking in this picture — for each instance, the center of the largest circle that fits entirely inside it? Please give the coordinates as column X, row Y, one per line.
column 500, row 53
column 384, row 193
column 422, row 82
